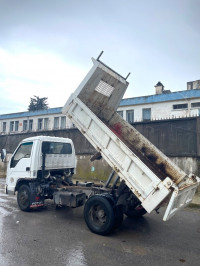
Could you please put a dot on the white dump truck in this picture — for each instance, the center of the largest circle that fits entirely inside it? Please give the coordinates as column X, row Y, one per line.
column 143, row 178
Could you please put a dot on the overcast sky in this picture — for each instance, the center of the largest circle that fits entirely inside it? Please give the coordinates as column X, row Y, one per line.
column 46, row 46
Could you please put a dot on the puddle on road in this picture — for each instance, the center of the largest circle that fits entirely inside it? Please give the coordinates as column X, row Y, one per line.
column 5, row 208
column 3, row 258
column 3, row 194
column 3, row 200
column 4, row 212
column 74, row 255
column 8, row 208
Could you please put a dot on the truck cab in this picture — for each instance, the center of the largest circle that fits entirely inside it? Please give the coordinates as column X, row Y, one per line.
column 40, row 161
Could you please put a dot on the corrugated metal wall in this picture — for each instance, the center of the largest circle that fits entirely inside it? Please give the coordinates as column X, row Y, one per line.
column 176, row 138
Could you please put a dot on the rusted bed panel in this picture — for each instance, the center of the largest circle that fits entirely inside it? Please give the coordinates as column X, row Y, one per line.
column 102, row 93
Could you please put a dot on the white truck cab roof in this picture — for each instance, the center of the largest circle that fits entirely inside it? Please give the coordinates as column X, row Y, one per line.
column 48, row 138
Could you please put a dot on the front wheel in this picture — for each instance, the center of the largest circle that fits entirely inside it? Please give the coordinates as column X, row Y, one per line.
column 23, row 197
column 99, row 215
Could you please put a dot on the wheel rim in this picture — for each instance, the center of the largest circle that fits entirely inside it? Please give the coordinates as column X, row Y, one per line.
column 98, row 215
column 24, row 197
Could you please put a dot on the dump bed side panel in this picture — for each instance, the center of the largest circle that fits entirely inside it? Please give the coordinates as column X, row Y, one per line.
column 148, row 188
column 147, row 171
column 102, row 91
column 158, row 162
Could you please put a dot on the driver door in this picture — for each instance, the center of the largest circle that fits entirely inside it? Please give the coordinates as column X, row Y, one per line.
column 20, row 163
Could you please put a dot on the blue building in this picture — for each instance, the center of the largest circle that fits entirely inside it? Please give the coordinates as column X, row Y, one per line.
column 164, row 104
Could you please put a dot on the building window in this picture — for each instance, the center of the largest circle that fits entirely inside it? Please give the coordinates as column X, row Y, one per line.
column 130, row 116
column 25, row 125
column 46, row 123
column 30, row 125
column 63, row 122
column 180, row 106
column 40, row 122
column 16, row 125
column 146, row 114
column 195, row 104
column 56, row 122
column 120, row 113
column 4, row 126
column 11, row 126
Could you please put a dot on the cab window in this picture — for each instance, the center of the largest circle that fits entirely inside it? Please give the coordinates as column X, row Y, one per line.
column 58, row 148
column 24, row 151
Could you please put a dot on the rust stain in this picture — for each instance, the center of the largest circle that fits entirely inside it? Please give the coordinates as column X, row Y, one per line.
column 117, row 129
column 142, row 148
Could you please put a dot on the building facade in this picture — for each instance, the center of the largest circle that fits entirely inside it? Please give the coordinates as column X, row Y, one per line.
column 161, row 106
column 49, row 119
column 164, row 104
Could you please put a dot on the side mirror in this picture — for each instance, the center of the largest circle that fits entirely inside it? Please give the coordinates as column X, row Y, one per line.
column 3, row 154
column 45, row 147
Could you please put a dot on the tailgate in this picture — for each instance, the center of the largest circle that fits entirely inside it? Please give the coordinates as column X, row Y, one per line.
column 180, row 198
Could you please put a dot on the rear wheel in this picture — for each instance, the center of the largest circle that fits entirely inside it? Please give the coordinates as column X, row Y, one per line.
column 99, row 215
column 23, row 197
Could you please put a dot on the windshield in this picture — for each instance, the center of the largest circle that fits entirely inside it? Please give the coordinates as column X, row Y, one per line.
column 24, row 151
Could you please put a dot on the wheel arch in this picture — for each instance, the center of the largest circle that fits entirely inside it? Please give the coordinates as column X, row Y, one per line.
column 21, row 182
column 109, row 197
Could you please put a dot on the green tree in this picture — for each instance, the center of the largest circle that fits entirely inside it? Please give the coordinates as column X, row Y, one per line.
column 37, row 103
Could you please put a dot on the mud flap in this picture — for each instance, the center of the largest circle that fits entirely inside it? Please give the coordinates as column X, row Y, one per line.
column 36, row 200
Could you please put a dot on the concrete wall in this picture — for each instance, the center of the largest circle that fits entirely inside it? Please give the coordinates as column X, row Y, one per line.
column 87, row 170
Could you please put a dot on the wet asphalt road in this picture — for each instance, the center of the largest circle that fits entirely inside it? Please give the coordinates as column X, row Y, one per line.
column 60, row 237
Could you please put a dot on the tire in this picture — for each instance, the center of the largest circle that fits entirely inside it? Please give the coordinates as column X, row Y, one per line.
column 135, row 212
column 99, row 215
column 23, row 197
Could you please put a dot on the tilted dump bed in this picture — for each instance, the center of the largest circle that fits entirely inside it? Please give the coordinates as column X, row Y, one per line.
column 150, row 174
